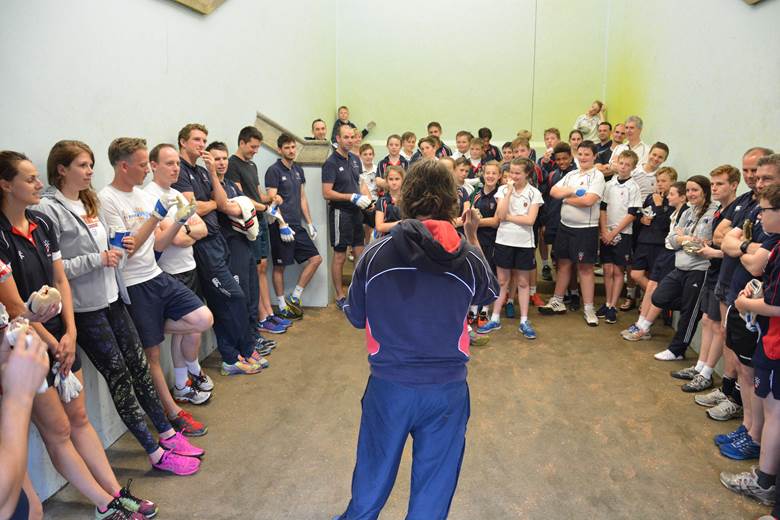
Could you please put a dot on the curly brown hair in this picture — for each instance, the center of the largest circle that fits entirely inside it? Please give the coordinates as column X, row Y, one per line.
column 429, row 191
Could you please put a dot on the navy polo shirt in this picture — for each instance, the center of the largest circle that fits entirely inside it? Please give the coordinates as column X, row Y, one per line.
column 32, row 257
column 737, row 213
column 344, row 174
column 386, row 205
column 288, row 182
column 381, row 170
column 656, row 232
column 225, row 224
column 443, row 151
column 486, row 204
column 195, row 179
column 741, row 275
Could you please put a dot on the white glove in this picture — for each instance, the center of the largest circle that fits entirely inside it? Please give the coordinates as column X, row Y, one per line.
column 164, row 203
column 184, row 209
column 312, row 231
column 288, row 235
column 69, row 387
column 274, row 212
column 361, row 201
column 15, row 328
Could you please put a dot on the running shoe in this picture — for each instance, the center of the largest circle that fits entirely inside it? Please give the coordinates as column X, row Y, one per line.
column 189, row 394
column 489, row 327
column 743, row 448
column 711, row 399
column 509, row 310
column 340, row 303
column 535, row 300
column 179, row 445
column 667, row 355
column 590, row 318
column 574, row 302
column 527, row 330
column 554, row 306
column 725, row 410
column 634, row 333
column 259, row 360
column 601, row 313
column 201, row 382
column 270, row 326
column 726, row 438
column 547, row 273
column 294, row 304
column 746, row 483
column 686, row 373
column 241, row 366
column 698, row 384
column 137, row 505
column 611, row 316
column 281, row 321
column 482, row 319
column 262, row 349
column 177, row 464
column 184, row 422
column 287, row 314
column 117, row 511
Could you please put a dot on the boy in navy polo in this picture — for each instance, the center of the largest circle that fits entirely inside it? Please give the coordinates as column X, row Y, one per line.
column 284, row 181
column 418, row 369
column 442, row 150
column 346, row 199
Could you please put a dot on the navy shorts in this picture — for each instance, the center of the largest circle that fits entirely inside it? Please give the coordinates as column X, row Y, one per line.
column 190, row 280
column 579, row 245
column 618, row 254
column 510, row 257
column 345, row 227
column 488, row 245
column 738, row 338
column 645, row 256
column 297, row 251
column 261, row 246
column 156, row 300
column 710, row 305
column 765, row 380
column 664, row 264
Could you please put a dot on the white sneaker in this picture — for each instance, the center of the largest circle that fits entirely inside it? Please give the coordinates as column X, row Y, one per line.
column 711, row 399
column 667, row 355
column 590, row 318
column 554, row 306
column 725, row 411
column 189, row 394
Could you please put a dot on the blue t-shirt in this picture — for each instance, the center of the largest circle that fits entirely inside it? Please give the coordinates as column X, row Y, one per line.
column 344, row 174
column 195, row 179
column 288, row 182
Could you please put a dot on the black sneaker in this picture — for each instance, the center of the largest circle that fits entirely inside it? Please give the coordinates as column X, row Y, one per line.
column 574, row 302
column 547, row 273
column 611, row 316
column 602, row 312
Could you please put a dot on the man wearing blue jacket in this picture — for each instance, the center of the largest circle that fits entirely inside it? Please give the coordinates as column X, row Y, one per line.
column 417, row 352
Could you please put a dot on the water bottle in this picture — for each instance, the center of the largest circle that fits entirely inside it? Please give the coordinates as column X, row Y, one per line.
column 115, row 237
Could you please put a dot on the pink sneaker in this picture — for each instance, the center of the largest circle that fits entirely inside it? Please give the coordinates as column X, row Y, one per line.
column 177, row 464
column 179, row 445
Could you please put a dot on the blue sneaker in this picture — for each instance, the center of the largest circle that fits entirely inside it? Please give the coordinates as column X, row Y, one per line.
column 510, row 310
column 527, row 330
column 288, row 314
column 611, row 316
column 267, row 325
column 602, row 312
column 489, row 327
column 741, row 449
column 295, row 304
column 281, row 321
column 340, row 303
column 726, row 438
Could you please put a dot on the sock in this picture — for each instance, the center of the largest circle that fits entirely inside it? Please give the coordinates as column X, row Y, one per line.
column 764, row 480
column 706, row 371
column 588, row 307
column 532, row 290
column 728, row 386
column 631, row 292
column 511, row 300
column 523, row 319
column 699, row 365
column 736, row 395
column 193, row 367
column 575, row 292
column 643, row 324
column 546, row 263
column 557, row 298
column 496, row 317
column 473, row 310
column 297, row 292
column 282, row 303
column 180, row 377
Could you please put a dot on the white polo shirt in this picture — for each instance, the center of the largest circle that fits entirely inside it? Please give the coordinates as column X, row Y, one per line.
column 592, row 181
column 619, row 197
column 509, row 233
column 645, row 180
column 642, row 150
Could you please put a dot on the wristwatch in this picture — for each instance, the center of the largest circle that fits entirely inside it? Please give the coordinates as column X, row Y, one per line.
column 744, row 246
column 187, row 228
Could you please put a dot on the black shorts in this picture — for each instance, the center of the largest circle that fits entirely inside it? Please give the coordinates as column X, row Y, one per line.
column 550, row 233
column 765, row 380
column 618, row 254
column 580, row 245
column 345, row 227
column 191, row 281
column 720, row 291
column 645, row 256
column 488, row 246
column 710, row 305
column 154, row 301
column 664, row 264
column 510, row 257
column 261, row 246
column 297, row 251
column 739, row 338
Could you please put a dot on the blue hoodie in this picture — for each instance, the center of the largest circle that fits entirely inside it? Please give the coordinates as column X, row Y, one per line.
column 411, row 291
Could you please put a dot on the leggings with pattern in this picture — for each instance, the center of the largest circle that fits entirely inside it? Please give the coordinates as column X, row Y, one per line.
column 110, row 340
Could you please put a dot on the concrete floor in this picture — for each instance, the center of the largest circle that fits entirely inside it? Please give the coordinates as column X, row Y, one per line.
column 577, row 424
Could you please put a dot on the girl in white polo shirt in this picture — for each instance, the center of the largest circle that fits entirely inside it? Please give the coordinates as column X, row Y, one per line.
column 518, row 207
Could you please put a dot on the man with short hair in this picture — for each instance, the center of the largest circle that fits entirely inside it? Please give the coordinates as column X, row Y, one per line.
column 240, row 353
column 319, row 130
column 434, row 129
column 633, row 126
column 285, row 182
column 159, row 303
column 615, row 137
column 346, row 197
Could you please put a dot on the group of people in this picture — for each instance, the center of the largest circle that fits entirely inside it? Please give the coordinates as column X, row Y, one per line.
column 134, row 262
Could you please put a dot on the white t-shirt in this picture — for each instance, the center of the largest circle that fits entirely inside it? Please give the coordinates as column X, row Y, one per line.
column 101, row 238
column 645, row 181
column 125, row 211
column 589, row 126
column 642, row 150
column 509, row 233
column 591, row 181
column 174, row 259
column 619, row 197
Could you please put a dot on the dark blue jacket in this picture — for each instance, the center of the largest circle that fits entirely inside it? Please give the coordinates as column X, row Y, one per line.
column 411, row 291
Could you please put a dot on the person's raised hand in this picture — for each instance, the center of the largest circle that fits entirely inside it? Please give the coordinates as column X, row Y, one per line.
column 470, row 222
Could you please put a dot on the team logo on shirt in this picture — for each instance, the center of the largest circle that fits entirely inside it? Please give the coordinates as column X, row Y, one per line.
column 21, row 255
column 756, row 381
column 284, row 177
column 580, row 255
column 46, row 247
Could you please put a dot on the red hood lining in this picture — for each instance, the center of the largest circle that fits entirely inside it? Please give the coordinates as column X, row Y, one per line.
column 444, row 233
